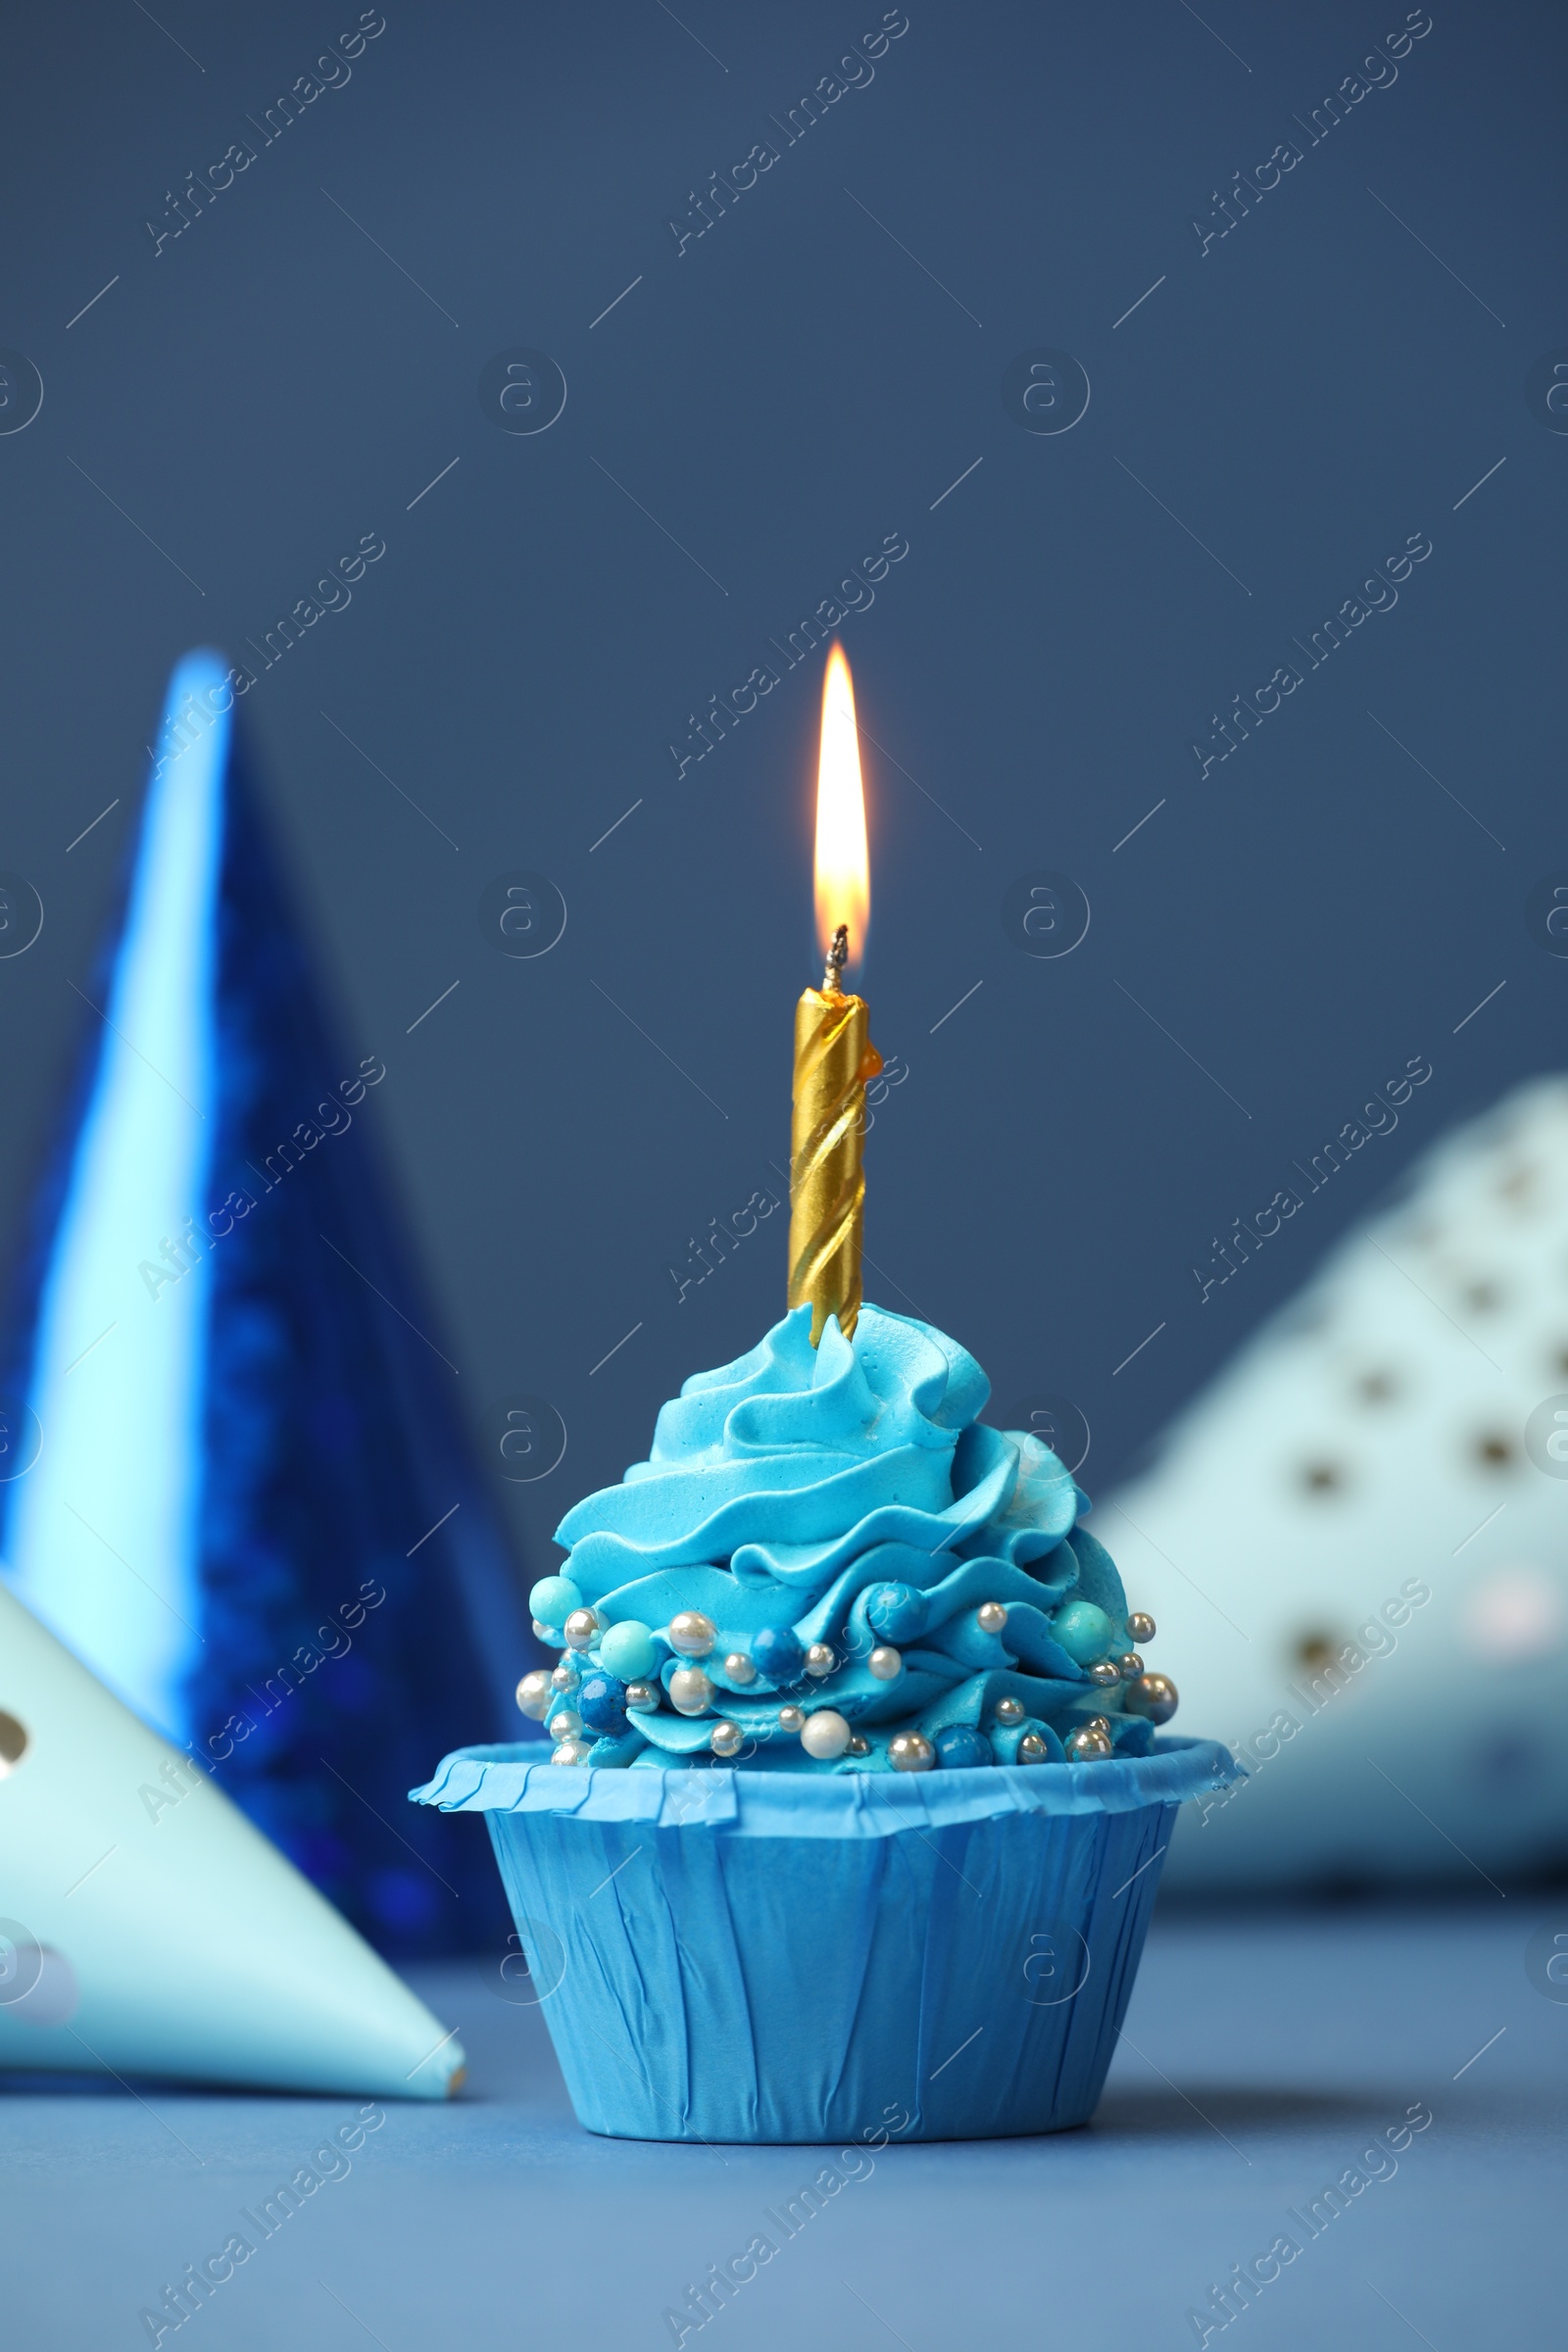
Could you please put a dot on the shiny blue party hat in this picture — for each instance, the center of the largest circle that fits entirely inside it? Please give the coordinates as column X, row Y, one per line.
column 239, row 1486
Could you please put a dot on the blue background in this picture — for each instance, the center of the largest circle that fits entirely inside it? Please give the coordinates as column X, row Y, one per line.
column 794, row 385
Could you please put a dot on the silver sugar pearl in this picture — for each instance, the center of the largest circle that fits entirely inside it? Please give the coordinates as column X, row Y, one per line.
column 690, row 1690
column 726, row 1739
column 1099, row 1722
column 533, row 1694
column 858, row 1747
column 572, row 1752
column 1032, row 1750
column 791, row 1718
column 819, row 1660
column 1087, row 1746
column 565, row 1676
column 1105, row 1671
column 885, row 1663
column 643, row 1697
column 739, row 1667
column 1141, row 1626
column 910, row 1751
column 1154, row 1697
column 1010, row 1711
column 1130, row 1665
column 545, row 1632
column 991, row 1616
column 692, row 1634
column 581, row 1628
column 564, row 1724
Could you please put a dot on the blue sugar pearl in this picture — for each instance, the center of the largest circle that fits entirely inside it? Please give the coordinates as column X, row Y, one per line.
column 778, row 1653
column 629, row 1650
column 895, row 1611
column 600, row 1702
column 553, row 1600
column 958, row 1747
column 1083, row 1631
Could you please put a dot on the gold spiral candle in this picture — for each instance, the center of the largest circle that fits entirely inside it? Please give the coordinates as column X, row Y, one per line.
column 834, row 1055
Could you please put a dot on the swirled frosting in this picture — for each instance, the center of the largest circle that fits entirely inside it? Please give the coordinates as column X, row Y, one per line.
column 858, row 1543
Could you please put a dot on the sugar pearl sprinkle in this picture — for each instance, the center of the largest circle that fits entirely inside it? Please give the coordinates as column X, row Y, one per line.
column 533, row 1694
column 631, row 1654
column 690, row 1693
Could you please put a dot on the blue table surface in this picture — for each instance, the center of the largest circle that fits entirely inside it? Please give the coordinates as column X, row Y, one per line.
column 1261, row 2052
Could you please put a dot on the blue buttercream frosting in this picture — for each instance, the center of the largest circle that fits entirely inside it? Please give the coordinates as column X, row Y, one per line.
column 846, row 1494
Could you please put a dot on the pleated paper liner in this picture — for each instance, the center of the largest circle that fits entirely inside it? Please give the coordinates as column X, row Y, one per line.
column 768, row 1957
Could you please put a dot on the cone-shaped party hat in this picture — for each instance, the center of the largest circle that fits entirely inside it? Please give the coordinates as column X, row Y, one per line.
column 154, row 1930
column 239, row 1488
column 1353, row 1537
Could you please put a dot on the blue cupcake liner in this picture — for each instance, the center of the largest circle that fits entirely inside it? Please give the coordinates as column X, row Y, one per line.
column 777, row 1957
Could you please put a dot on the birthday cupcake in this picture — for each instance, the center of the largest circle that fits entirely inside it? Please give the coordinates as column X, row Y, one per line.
column 853, row 1801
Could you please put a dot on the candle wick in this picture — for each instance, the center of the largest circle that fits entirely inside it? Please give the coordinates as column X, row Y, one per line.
column 838, row 955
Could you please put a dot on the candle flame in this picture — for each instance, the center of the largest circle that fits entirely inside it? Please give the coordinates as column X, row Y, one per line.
column 843, row 865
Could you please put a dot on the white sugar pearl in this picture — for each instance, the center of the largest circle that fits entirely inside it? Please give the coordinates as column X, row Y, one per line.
column 692, row 1634
column 819, row 1660
column 533, row 1694
column 826, row 1734
column 885, row 1663
column 725, row 1739
column 991, row 1616
column 738, row 1666
column 572, row 1752
column 791, row 1718
column 581, row 1629
column 566, row 1723
column 690, row 1690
